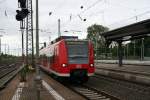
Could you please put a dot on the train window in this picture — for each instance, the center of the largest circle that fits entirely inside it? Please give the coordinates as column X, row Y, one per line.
column 54, row 56
column 51, row 59
column 56, row 51
column 78, row 52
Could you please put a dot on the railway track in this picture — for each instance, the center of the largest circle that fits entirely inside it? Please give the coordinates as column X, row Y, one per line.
column 90, row 93
column 87, row 92
column 123, row 90
column 6, row 66
column 7, row 72
column 106, row 88
column 4, row 70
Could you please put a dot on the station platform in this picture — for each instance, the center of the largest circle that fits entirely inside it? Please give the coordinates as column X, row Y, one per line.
column 16, row 90
column 126, row 62
column 50, row 90
column 129, row 72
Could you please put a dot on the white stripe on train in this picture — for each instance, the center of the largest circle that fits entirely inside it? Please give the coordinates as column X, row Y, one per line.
column 59, row 74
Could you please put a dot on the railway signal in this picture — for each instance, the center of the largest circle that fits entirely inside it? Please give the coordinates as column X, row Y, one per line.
column 21, row 14
column 22, row 3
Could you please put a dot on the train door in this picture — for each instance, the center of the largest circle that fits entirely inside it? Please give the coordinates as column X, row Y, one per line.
column 48, row 61
column 56, row 60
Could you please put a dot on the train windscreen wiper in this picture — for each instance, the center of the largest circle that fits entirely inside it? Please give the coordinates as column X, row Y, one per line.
column 78, row 56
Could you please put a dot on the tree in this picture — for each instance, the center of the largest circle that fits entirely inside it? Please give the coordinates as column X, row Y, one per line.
column 95, row 35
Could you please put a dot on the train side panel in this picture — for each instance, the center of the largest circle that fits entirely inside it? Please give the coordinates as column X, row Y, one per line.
column 54, row 59
column 64, row 69
column 91, row 68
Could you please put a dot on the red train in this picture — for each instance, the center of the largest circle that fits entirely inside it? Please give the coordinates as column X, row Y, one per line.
column 70, row 57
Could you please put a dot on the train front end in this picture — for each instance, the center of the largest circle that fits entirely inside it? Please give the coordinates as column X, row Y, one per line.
column 80, row 59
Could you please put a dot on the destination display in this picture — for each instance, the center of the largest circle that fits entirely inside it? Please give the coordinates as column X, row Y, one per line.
column 76, row 42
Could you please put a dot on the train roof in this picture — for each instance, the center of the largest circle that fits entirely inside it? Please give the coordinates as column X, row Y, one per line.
column 65, row 38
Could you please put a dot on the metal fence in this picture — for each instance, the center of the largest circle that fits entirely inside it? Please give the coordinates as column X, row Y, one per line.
column 136, row 53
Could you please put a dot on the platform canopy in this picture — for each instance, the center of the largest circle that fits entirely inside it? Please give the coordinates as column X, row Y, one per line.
column 130, row 32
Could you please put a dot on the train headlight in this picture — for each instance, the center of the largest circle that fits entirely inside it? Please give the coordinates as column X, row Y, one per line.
column 91, row 65
column 64, row 65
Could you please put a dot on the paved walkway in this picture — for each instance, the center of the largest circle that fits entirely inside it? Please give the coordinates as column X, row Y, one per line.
column 29, row 90
column 50, row 89
column 8, row 92
column 16, row 90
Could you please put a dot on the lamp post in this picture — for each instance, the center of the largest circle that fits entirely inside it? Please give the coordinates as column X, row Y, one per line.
column 59, row 33
column 6, row 48
column 0, row 43
column 38, row 77
column 49, row 36
column 22, row 34
column 142, row 49
column 37, row 37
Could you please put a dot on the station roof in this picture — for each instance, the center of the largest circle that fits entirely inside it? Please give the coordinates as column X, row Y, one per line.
column 130, row 32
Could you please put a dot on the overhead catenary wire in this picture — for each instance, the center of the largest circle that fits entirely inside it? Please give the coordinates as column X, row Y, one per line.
column 84, row 10
column 91, row 6
column 134, row 9
column 114, row 4
column 86, row 2
column 54, row 11
column 57, row 7
column 133, row 17
column 2, row 1
column 74, row 16
column 79, row 14
column 123, row 6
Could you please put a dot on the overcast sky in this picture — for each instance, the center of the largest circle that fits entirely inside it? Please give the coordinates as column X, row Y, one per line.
column 110, row 13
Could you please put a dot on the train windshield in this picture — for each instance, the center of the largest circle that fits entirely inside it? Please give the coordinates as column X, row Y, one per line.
column 77, row 52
